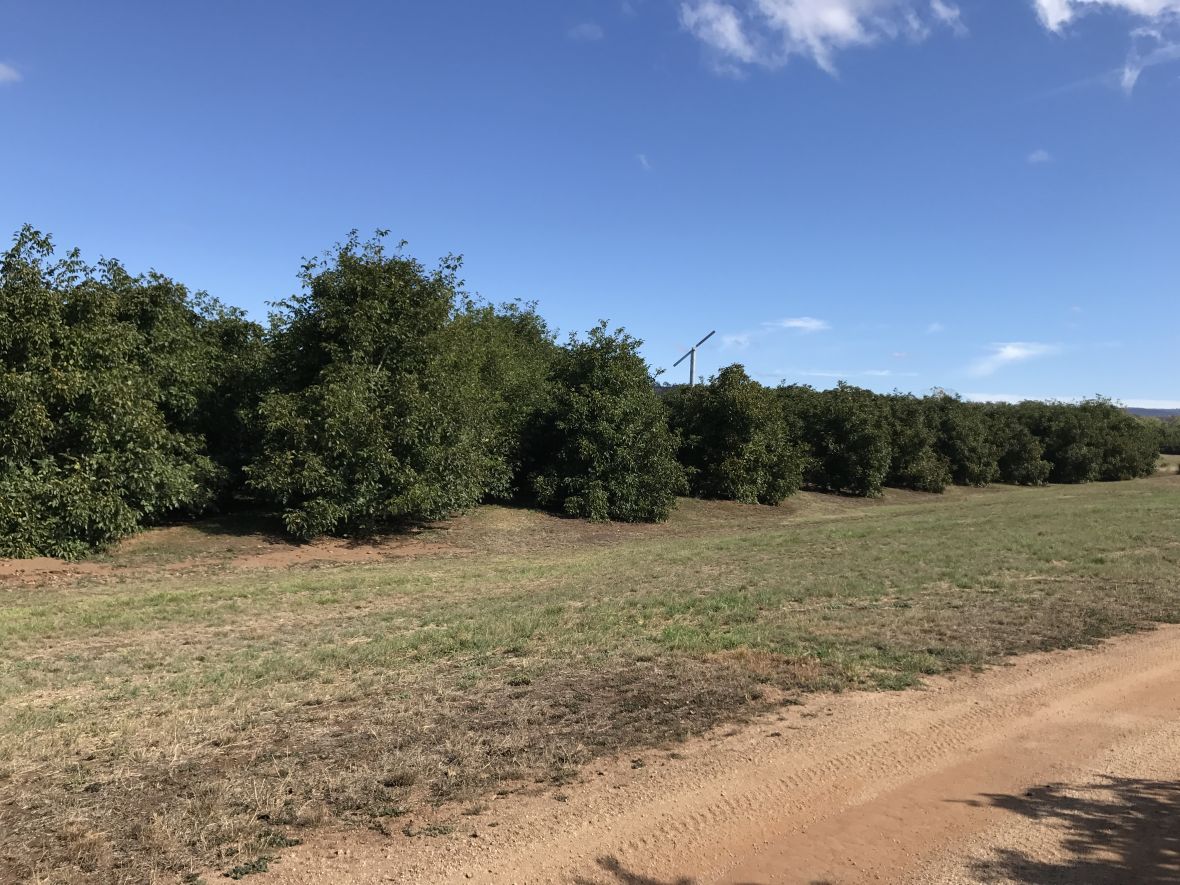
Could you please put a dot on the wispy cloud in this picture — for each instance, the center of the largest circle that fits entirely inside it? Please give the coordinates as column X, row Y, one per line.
column 1109, row 79
column 949, row 15
column 802, row 324
column 1155, row 42
column 1056, row 14
column 586, row 32
column 643, row 161
column 1039, row 157
column 1010, row 353
column 863, row 373
column 823, row 373
column 935, row 329
column 768, row 33
column 1150, row 47
column 9, row 74
column 720, row 27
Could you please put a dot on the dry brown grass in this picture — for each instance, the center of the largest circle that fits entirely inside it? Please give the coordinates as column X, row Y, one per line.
column 150, row 726
column 239, row 783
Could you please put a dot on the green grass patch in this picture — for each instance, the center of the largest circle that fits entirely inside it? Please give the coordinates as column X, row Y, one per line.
column 156, row 721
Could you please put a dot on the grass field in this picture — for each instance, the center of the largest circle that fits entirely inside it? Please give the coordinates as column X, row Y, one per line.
column 206, row 695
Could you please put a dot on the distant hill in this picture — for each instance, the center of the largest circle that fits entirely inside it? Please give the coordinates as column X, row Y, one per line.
column 1156, row 413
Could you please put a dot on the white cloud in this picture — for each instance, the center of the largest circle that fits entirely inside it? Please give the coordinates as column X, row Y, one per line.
column 1154, row 43
column 935, row 329
column 1056, row 14
column 9, row 74
column 866, row 373
column 1039, row 157
column 1150, row 47
column 802, row 324
column 643, row 161
column 586, row 32
column 1010, row 353
column 949, row 15
column 720, row 27
column 737, row 341
column 769, row 32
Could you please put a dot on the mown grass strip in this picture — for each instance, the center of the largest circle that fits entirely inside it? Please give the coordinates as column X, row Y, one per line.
column 146, row 728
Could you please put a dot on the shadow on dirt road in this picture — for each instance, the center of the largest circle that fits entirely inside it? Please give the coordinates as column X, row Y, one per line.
column 1112, row 832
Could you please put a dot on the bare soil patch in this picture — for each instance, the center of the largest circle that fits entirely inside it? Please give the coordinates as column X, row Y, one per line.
column 184, row 549
column 1061, row 768
column 186, row 711
column 42, row 569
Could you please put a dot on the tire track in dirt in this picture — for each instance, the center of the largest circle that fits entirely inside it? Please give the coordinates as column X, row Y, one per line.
column 856, row 788
column 1115, row 822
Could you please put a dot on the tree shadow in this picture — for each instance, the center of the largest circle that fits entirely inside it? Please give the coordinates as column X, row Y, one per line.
column 1122, row 830
column 239, row 524
column 620, row 875
column 268, row 527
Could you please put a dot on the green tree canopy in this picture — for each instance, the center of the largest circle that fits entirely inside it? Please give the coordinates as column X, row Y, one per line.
column 847, row 431
column 964, row 439
column 734, row 442
column 915, row 461
column 102, row 377
column 602, row 448
column 382, row 393
column 512, row 352
column 373, row 412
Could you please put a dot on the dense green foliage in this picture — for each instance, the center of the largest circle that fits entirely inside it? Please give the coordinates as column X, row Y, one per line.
column 513, row 353
column 1167, row 432
column 104, row 378
column 1094, row 440
column 373, row 413
column 847, row 432
column 1020, row 456
column 964, row 440
column 226, row 416
column 914, row 442
column 383, row 393
column 602, row 448
column 860, row 441
column 734, row 443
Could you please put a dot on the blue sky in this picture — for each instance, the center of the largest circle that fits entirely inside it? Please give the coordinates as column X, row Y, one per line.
column 976, row 195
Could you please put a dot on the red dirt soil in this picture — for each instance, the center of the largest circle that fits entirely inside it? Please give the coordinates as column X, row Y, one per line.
column 1062, row 767
column 256, row 553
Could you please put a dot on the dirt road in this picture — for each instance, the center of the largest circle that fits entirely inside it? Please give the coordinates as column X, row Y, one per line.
column 1063, row 767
